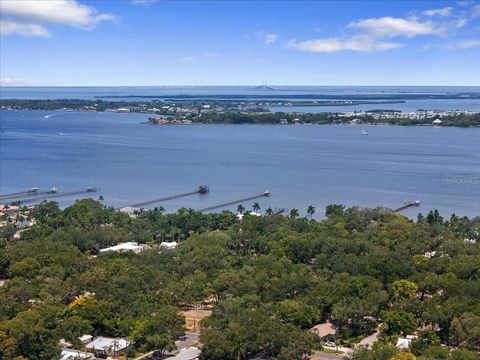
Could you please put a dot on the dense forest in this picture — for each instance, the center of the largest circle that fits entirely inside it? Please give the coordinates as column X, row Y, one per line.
column 269, row 278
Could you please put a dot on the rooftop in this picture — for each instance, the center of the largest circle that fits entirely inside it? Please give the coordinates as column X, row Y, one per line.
column 104, row 343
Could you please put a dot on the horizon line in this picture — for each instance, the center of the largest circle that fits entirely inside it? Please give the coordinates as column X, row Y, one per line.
column 231, row 85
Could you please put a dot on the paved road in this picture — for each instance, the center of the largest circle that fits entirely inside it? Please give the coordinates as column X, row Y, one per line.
column 190, row 340
column 324, row 356
column 369, row 340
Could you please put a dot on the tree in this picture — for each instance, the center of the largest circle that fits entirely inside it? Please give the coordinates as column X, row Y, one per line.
column 434, row 217
column 240, row 209
column 464, row 354
column 299, row 347
column 399, row 322
column 380, row 351
column 404, row 355
column 294, row 213
column 27, row 268
column 74, row 327
column 425, row 340
column 269, row 211
column 311, row 210
column 334, row 210
column 32, row 339
column 256, row 206
column 7, row 231
column 4, row 262
column 465, row 330
column 404, row 289
column 160, row 343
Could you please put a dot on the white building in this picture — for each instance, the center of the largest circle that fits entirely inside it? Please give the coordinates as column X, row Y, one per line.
column 85, row 339
column 129, row 210
column 107, row 346
column 126, row 246
column 405, row 343
column 71, row 354
column 169, row 245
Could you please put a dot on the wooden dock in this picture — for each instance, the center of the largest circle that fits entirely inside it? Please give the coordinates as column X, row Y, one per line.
column 407, row 205
column 202, row 189
column 51, row 195
column 235, row 201
column 20, row 194
column 278, row 211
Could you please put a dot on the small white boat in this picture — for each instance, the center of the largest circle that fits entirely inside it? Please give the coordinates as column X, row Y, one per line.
column 364, row 132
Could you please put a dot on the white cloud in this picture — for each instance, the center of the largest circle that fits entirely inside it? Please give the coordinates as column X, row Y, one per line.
column 10, row 27
column 15, row 82
column 270, row 38
column 28, row 17
column 267, row 38
column 388, row 27
column 461, row 22
column 374, row 34
column 362, row 43
column 442, row 12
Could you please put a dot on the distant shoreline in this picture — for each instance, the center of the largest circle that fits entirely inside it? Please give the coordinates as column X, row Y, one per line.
column 194, row 111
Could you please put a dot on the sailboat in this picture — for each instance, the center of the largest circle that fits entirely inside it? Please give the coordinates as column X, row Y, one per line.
column 364, row 132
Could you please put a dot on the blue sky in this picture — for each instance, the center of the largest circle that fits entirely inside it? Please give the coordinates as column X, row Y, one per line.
column 148, row 43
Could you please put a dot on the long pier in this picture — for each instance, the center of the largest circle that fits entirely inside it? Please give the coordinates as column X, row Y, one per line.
column 51, row 195
column 202, row 189
column 407, row 205
column 32, row 191
column 232, row 202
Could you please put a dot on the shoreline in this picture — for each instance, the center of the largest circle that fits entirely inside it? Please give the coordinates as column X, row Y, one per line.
column 147, row 122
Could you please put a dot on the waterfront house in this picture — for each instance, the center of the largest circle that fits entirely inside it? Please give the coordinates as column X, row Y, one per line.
column 130, row 210
column 8, row 210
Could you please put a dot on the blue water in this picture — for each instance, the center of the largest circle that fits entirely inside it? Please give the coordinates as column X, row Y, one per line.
column 407, row 106
column 165, row 91
column 300, row 165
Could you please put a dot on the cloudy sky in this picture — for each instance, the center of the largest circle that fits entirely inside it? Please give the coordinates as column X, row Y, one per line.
column 148, row 42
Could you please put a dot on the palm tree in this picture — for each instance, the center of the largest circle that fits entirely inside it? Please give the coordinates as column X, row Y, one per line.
column 311, row 210
column 294, row 213
column 269, row 211
column 240, row 209
column 256, row 206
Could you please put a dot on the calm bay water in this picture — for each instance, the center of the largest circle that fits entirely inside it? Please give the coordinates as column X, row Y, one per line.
column 300, row 165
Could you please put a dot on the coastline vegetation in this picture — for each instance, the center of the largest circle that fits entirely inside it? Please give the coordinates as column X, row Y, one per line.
column 268, row 278
column 235, row 112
